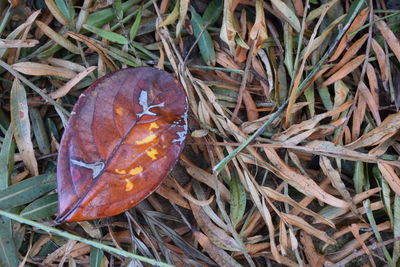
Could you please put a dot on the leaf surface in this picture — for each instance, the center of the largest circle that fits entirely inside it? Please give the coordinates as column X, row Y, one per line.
column 125, row 134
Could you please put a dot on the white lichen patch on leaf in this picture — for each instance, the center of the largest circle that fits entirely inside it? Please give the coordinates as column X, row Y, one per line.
column 143, row 101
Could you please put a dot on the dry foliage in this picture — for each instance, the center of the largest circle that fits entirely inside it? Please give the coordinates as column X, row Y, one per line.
column 308, row 91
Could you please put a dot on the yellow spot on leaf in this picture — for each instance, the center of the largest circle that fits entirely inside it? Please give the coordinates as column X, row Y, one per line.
column 152, row 153
column 119, row 111
column 136, row 170
column 153, row 125
column 146, row 140
column 129, row 185
column 120, row 171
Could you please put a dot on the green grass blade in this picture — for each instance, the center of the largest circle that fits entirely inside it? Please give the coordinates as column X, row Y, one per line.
column 8, row 251
column 374, row 227
column 205, row 42
column 26, row 191
column 111, row 36
column 213, row 12
column 6, row 159
column 96, row 256
column 237, row 201
column 92, row 243
column 42, row 208
column 135, row 25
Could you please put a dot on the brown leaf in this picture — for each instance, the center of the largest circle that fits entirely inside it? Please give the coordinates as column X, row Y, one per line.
column 344, row 71
column 389, row 36
column 348, row 55
column 378, row 135
column 125, row 135
column 381, row 58
column 357, row 23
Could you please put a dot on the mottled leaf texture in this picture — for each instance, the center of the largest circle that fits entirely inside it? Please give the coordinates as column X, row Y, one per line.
column 125, row 135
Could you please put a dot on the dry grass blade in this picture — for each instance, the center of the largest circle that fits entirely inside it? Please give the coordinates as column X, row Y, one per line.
column 389, row 36
column 390, row 176
column 217, row 236
column 349, row 54
column 358, row 22
column 38, row 69
column 280, row 197
column 378, row 135
column 18, row 43
column 300, row 182
column 344, row 71
column 381, row 58
column 219, row 255
column 63, row 90
column 21, row 126
column 302, row 224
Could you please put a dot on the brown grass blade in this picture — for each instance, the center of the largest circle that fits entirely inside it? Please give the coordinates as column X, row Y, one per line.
column 381, row 58
column 308, row 228
column 349, row 54
column 358, row 22
column 302, row 183
column 344, row 71
column 388, row 128
column 38, row 69
column 18, row 43
column 64, row 90
column 389, row 36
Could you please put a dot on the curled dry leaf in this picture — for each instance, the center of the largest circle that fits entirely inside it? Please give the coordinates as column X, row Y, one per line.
column 125, row 135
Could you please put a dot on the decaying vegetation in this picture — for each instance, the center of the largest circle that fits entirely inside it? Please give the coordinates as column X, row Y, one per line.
column 293, row 150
